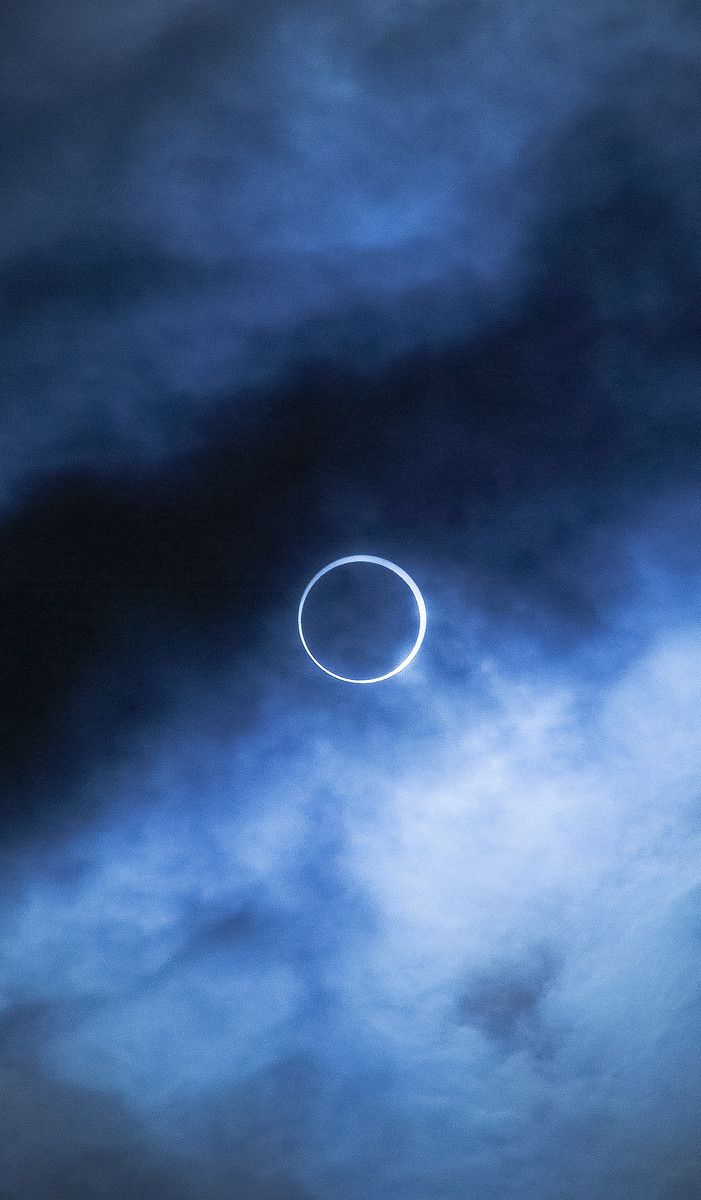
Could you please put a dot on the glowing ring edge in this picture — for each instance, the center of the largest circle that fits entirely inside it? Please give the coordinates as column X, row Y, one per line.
column 413, row 588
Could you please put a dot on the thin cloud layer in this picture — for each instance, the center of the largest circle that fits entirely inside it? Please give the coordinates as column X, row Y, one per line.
column 280, row 284
column 496, row 920
column 185, row 186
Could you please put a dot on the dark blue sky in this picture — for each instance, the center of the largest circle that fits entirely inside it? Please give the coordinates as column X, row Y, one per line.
column 281, row 283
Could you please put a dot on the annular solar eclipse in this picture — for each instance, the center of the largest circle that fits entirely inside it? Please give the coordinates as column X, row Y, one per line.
column 413, row 588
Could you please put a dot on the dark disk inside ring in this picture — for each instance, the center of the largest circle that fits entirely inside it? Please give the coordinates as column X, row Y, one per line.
column 360, row 620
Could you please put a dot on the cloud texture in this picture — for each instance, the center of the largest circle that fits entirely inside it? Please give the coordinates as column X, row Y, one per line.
column 285, row 283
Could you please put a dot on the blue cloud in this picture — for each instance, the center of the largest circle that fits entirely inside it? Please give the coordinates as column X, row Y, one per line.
column 282, row 285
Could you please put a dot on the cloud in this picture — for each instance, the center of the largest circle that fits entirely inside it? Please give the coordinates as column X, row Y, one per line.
column 547, row 516
column 483, row 907
column 67, row 1141
column 239, row 190
column 505, row 1001
column 282, row 286
column 63, row 1140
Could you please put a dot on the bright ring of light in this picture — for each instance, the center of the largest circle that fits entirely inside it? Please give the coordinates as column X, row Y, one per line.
column 381, row 562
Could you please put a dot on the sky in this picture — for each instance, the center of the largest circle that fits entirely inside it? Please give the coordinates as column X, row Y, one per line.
column 281, row 283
